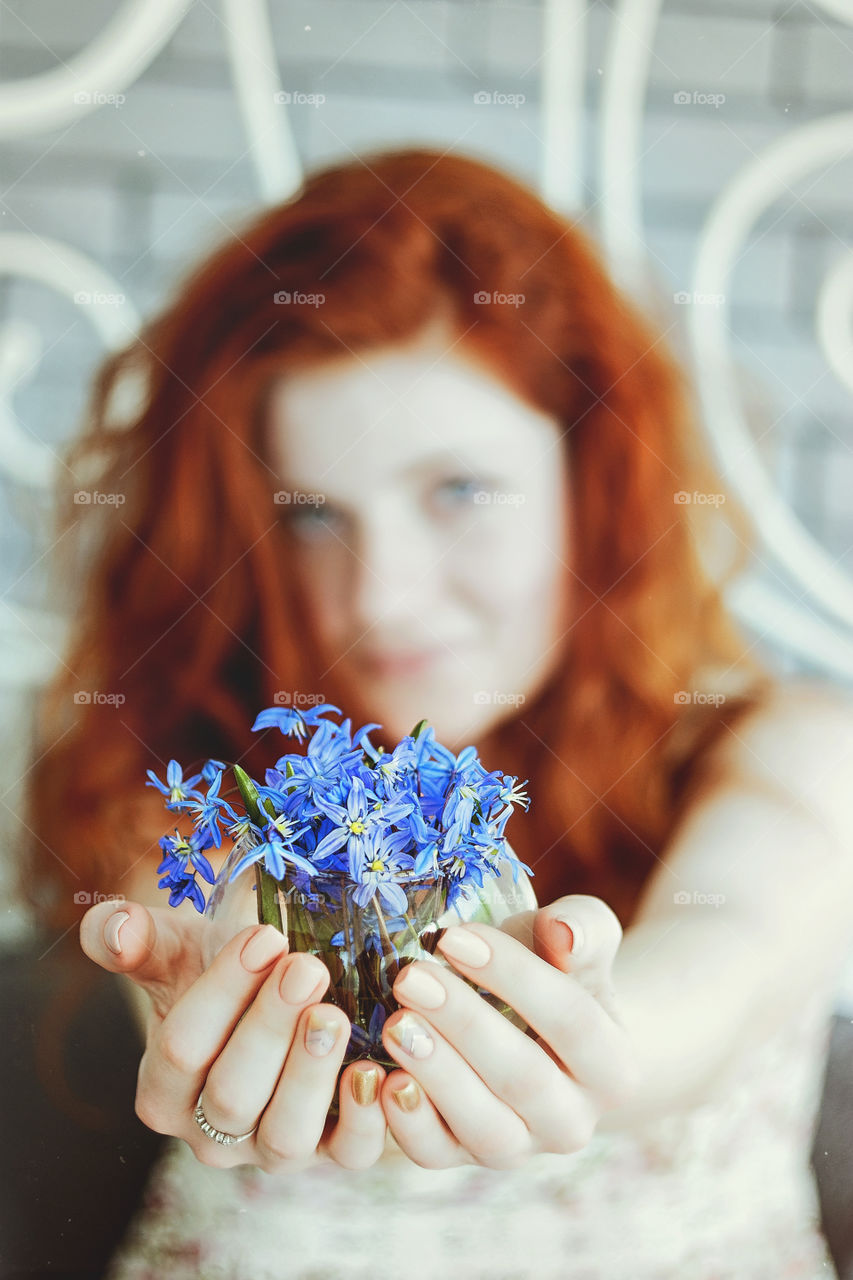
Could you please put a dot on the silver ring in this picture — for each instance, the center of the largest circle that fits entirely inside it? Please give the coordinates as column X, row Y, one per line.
column 224, row 1139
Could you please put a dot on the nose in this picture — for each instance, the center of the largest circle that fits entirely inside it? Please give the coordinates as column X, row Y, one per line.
column 394, row 575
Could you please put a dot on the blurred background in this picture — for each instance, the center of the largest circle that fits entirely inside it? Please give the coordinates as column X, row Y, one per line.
column 706, row 144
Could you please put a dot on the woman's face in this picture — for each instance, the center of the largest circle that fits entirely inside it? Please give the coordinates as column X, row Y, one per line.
column 428, row 506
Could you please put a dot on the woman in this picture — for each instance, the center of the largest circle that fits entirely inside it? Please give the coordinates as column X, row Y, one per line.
column 400, row 443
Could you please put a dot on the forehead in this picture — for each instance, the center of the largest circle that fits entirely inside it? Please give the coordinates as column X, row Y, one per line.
column 391, row 411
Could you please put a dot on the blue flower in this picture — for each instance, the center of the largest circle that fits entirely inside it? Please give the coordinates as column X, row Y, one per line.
column 511, row 792
column 292, row 723
column 208, row 810
column 349, row 825
column 244, row 827
column 370, row 1040
column 391, row 769
column 181, row 889
column 371, row 938
column 377, row 818
column 276, row 849
column 182, row 860
column 459, row 806
column 394, row 807
column 177, row 788
column 492, row 848
column 378, row 864
column 210, row 768
column 319, row 772
column 360, row 738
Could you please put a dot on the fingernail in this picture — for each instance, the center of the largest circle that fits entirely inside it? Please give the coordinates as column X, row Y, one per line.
column 298, row 981
column 421, row 988
column 408, row 1097
column 575, row 938
column 464, row 946
column 320, row 1033
column 412, row 1036
column 365, row 1085
column 264, row 946
column 112, row 929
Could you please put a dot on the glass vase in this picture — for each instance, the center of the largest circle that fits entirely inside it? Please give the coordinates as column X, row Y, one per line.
column 364, row 947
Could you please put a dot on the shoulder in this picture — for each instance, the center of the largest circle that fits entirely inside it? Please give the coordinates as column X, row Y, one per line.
column 797, row 740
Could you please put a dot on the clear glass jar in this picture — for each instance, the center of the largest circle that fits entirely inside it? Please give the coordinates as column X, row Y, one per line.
column 364, row 948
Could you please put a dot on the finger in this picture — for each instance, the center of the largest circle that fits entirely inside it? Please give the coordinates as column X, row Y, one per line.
column 416, row 1126
column 581, row 935
column 567, row 1017
column 493, row 1085
column 292, row 1124
column 155, row 949
column 195, row 1030
column 493, row 1133
column 244, row 1076
column 358, row 1139
column 520, row 926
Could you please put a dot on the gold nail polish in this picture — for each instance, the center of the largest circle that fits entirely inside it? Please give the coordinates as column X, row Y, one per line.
column 365, row 1085
column 408, row 1097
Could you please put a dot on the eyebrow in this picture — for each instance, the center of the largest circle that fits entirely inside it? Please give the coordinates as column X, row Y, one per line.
column 440, row 457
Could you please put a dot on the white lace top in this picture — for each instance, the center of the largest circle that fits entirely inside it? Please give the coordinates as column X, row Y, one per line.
column 722, row 1192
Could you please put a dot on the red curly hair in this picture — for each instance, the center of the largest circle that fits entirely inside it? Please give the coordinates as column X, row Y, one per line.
column 187, row 604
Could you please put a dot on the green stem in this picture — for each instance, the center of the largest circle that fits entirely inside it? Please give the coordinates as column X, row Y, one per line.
column 352, row 976
column 387, row 944
column 388, row 948
column 349, row 935
column 412, row 930
column 428, row 936
column 269, row 902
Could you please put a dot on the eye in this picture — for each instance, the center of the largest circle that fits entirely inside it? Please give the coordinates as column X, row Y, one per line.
column 457, row 490
column 312, row 523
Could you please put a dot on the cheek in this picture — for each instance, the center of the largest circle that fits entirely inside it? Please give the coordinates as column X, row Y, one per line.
column 515, row 565
column 322, row 584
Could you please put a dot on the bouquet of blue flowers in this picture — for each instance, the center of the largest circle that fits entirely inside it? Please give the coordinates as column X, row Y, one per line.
column 358, row 853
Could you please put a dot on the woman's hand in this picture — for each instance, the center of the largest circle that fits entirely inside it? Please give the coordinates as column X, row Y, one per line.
column 491, row 1094
column 250, row 1032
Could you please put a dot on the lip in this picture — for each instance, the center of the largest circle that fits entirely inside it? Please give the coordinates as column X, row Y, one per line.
column 400, row 662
